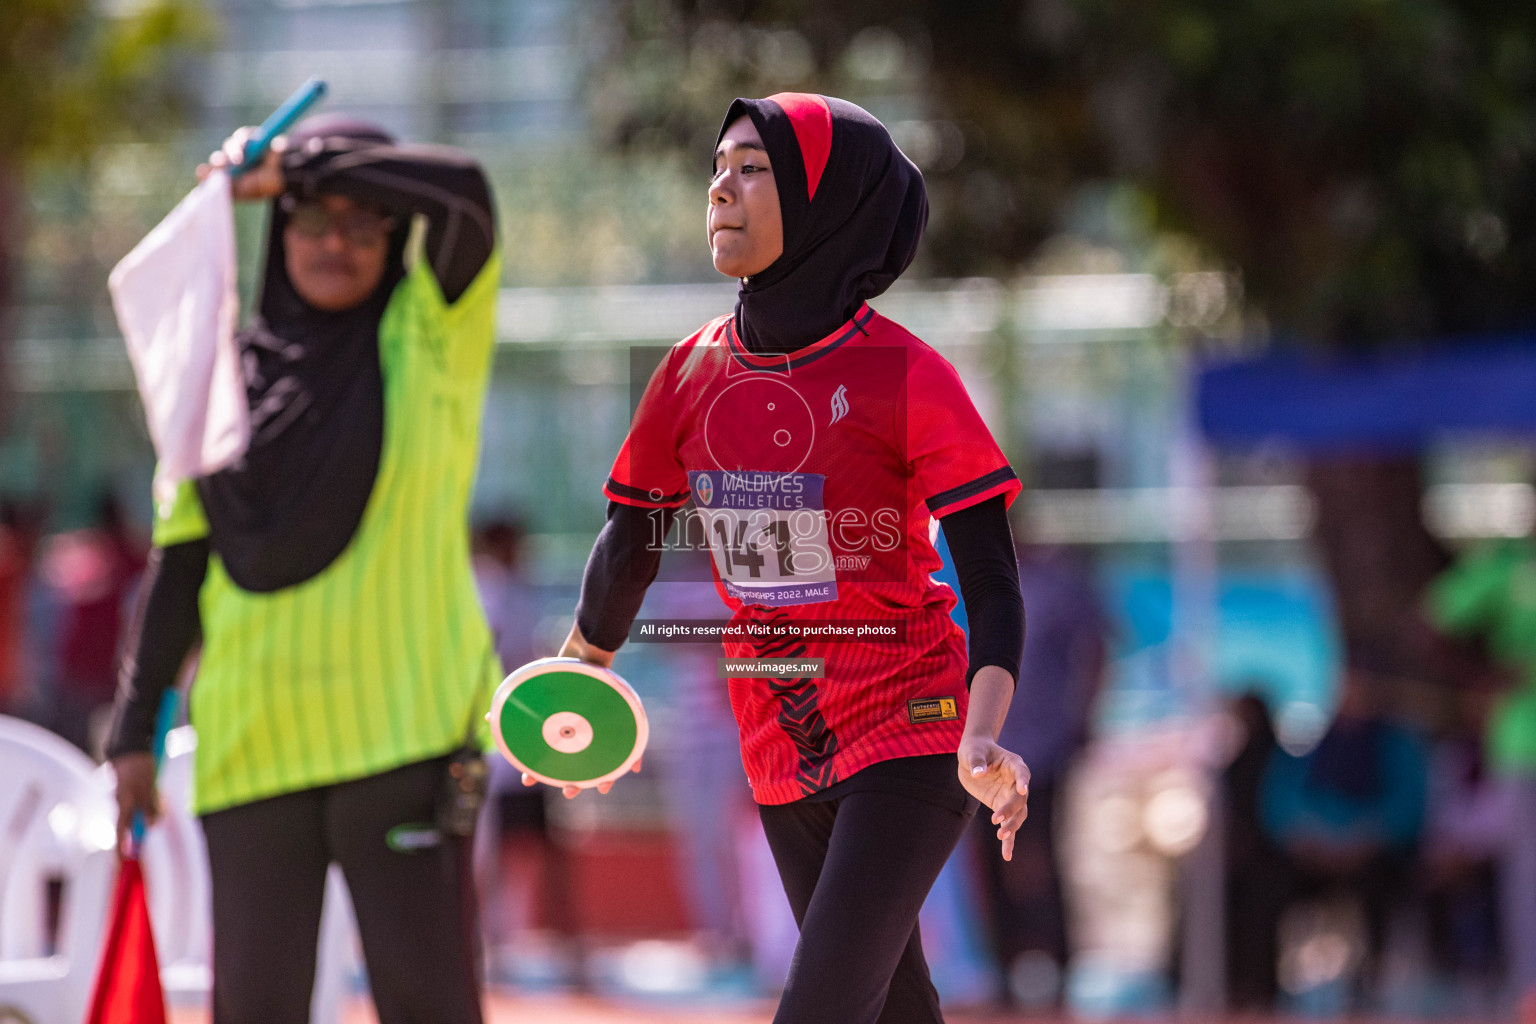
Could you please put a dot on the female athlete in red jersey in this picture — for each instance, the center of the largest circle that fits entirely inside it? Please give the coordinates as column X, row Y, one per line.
column 821, row 444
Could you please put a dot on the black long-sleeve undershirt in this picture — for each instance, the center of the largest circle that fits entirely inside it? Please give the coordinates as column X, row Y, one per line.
column 626, row 557
column 981, row 546
column 166, row 624
column 623, row 562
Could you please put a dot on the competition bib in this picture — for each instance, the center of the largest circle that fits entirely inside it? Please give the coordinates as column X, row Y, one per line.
column 767, row 534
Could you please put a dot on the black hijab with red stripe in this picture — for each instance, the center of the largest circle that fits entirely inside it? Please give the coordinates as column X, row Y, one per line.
column 854, row 208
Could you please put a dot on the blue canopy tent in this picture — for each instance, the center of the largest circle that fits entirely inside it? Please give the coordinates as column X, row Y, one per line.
column 1394, row 403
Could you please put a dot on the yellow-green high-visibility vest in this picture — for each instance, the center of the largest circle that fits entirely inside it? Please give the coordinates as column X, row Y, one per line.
column 384, row 657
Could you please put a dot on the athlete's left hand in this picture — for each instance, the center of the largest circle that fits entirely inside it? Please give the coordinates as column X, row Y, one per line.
column 576, row 646
column 998, row 778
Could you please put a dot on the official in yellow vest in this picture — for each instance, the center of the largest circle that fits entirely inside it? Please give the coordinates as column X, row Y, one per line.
column 344, row 656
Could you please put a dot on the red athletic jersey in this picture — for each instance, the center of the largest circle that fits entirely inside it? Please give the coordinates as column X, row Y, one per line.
column 816, row 479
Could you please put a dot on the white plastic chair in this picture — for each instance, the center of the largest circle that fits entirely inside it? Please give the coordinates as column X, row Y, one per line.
column 175, row 859
column 57, row 831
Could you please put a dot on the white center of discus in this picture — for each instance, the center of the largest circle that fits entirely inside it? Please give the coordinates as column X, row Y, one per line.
column 567, row 732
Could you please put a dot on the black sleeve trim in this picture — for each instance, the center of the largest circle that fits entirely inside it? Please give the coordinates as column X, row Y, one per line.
column 621, row 567
column 634, row 495
column 982, row 483
column 981, row 546
column 166, row 624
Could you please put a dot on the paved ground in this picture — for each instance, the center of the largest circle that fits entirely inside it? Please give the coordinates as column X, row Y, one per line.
column 582, row 1010
column 577, row 1010
column 504, row 1009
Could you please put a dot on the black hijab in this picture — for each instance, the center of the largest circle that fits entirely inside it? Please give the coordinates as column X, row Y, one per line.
column 316, row 391
column 854, row 208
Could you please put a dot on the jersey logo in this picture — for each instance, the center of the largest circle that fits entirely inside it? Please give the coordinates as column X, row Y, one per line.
column 704, row 489
column 839, row 404
column 933, row 709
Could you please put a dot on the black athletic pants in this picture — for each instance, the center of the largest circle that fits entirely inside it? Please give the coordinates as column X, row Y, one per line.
column 856, row 871
column 412, row 890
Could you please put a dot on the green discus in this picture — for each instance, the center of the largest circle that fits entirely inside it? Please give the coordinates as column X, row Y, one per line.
column 568, row 723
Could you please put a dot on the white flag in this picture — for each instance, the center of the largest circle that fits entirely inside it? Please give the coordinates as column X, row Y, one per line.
column 177, row 306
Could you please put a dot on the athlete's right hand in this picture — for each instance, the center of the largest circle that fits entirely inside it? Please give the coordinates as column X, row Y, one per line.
column 576, row 646
column 264, row 181
column 999, row 779
column 135, row 794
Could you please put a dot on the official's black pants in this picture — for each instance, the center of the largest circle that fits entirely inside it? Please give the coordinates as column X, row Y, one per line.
column 412, row 890
column 856, row 870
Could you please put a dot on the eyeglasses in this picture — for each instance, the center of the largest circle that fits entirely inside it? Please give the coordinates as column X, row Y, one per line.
column 360, row 227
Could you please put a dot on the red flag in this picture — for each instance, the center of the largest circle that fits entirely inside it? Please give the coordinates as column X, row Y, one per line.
column 128, row 982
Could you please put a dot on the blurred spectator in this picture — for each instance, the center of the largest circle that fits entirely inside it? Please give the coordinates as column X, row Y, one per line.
column 17, row 541
column 1254, row 867
column 1467, row 826
column 518, row 868
column 511, row 602
column 703, row 783
column 1047, row 724
column 1348, row 815
column 1491, row 593
column 93, row 572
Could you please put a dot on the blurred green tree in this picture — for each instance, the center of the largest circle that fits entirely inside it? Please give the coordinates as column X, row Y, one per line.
column 77, row 74
column 1369, row 166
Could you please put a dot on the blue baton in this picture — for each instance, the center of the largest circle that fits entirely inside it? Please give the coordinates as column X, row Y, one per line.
column 281, row 119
